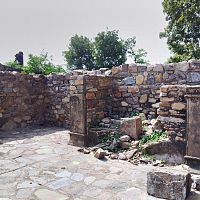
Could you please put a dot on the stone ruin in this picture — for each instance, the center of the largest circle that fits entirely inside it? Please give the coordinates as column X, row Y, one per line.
column 81, row 100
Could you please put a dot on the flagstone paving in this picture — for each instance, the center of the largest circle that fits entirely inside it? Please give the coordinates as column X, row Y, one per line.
column 40, row 165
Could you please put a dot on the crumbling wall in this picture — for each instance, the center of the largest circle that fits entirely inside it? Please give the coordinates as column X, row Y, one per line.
column 21, row 100
column 57, row 98
column 137, row 88
column 173, row 110
column 33, row 100
column 98, row 93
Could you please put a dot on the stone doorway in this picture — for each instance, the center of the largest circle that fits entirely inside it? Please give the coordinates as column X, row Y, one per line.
column 193, row 126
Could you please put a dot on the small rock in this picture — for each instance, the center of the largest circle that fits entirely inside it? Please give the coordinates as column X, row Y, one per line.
column 83, row 150
column 196, row 182
column 124, row 138
column 106, row 120
column 131, row 153
column 100, row 154
column 134, row 144
column 122, row 156
column 1, row 141
column 157, row 162
column 145, row 160
column 113, row 156
column 125, row 145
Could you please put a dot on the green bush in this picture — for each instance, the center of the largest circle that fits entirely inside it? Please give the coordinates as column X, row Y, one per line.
column 154, row 137
column 37, row 64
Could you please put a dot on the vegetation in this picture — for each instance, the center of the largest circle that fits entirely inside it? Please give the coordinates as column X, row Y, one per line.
column 183, row 29
column 80, row 53
column 110, row 50
column 154, row 137
column 37, row 64
column 107, row 50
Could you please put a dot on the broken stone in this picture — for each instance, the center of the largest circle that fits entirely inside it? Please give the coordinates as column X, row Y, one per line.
column 125, row 145
column 128, row 81
column 100, row 154
column 124, row 138
column 131, row 153
column 143, row 98
column 139, row 79
column 134, row 144
column 113, row 156
column 196, row 181
column 157, row 125
column 131, row 126
column 178, row 106
column 124, row 104
column 106, row 120
column 168, row 184
column 122, row 156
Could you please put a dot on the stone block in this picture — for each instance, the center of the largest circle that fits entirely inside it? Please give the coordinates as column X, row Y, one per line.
column 128, row 81
column 131, row 126
column 116, row 70
column 122, row 88
column 139, row 79
column 124, row 104
column 132, row 68
column 133, row 89
column 169, row 184
column 143, row 98
column 158, row 68
column 179, row 106
column 193, row 77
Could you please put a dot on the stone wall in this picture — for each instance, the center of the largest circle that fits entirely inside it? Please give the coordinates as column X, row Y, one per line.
column 21, row 100
column 119, row 92
column 33, row 100
column 137, row 88
column 57, row 97
column 98, row 92
column 173, row 110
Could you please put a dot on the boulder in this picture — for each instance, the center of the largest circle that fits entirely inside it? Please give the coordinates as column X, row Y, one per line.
column 100, row 154
column 124, row 138
column 169, row 184
column 131, row 126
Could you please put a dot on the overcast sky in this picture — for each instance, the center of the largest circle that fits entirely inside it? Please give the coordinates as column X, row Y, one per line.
column 33, row 25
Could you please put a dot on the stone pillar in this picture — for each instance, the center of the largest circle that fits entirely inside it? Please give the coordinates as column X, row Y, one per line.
column 193, row 121
column 78, row 120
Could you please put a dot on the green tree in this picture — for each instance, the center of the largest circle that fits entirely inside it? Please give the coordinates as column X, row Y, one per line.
column 38, row 64
column 137, row 55
column 80, row 53
column 110, row 49
column 42, row 64
column 183, row 29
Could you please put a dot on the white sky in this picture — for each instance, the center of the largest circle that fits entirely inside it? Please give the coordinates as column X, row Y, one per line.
column 33, row 25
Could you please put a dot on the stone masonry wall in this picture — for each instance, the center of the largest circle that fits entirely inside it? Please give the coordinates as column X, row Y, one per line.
column 57, row 99
column 119, row 92
column 21, row 100
column 33, row 100
column 137, row 88
column 98, row 92
column 173, row 110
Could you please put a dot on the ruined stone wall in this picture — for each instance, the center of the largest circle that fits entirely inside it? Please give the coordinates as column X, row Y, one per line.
column 173, row 110
column 137, row 88
column 98, row 92
column 21, row 100
column 33, row 100
column 57, row 97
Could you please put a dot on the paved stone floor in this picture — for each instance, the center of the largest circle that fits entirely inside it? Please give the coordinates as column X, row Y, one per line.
column 39, row 164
